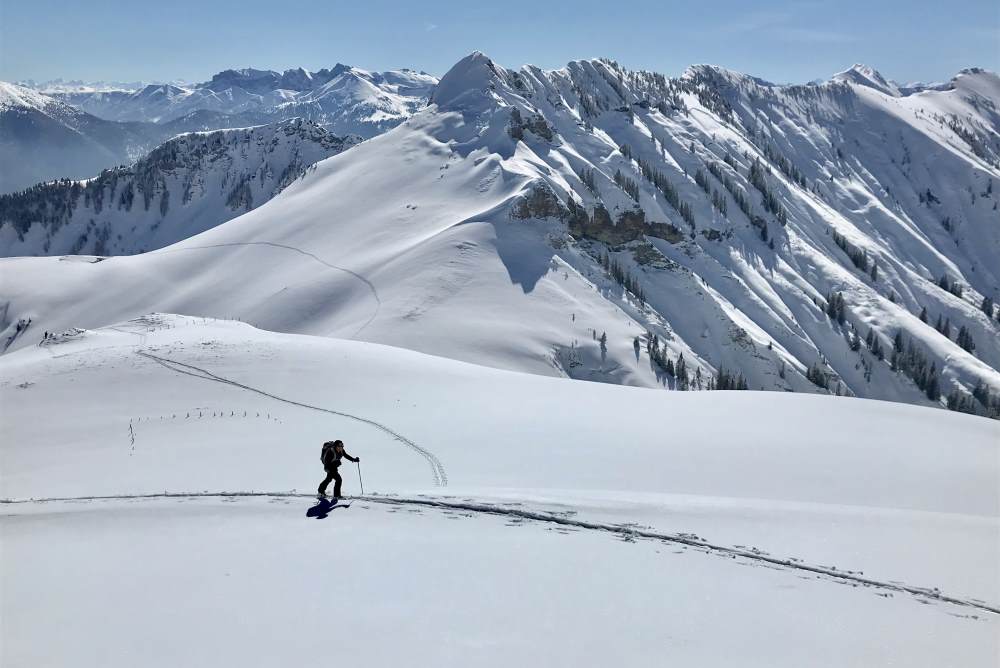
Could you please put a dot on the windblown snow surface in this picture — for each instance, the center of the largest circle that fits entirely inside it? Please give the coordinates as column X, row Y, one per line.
column 508, row 519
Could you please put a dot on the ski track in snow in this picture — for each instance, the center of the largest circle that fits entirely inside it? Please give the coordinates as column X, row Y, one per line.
column 369, row 284
column 437, row 469
column 628, row 532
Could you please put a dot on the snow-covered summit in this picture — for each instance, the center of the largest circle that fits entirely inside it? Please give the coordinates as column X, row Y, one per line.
column 468, row 81
column 864, row 75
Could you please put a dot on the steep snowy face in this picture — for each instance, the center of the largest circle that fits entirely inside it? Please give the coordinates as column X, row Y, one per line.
column 344, row 99
column 186, row 186
column 713, row 230
column 841, row 224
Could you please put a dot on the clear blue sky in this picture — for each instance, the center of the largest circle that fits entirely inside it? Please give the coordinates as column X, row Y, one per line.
column 781, row 41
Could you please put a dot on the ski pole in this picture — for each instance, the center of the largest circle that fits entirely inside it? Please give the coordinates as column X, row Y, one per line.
column 362, row 482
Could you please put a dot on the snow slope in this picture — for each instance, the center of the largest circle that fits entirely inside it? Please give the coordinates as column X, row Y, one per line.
column 778, row 543
column 469, row 232
column 187, row 185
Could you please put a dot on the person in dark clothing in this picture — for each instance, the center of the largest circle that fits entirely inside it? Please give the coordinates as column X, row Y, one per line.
column 333, row 452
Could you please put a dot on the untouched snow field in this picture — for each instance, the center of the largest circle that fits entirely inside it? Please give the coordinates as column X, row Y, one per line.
column 576, row 523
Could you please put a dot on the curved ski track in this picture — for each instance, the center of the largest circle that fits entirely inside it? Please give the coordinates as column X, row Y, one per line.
column 625, row 531
column 437, row 469
column 369, row 284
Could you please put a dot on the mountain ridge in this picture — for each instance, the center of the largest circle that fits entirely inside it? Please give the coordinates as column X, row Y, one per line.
column 190, row 183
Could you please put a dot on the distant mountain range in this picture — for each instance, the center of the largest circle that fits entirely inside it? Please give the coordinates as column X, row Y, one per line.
column 78, row 130
column 345, row 100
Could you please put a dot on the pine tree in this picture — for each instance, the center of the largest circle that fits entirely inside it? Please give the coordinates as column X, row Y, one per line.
column 923, row 314
column 933, row 385
column 987, row 306
column 964, row 339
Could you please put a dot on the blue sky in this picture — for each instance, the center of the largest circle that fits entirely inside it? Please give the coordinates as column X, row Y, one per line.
column 780, row 41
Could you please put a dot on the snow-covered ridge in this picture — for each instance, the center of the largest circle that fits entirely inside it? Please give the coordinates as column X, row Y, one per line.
column 12, row 96
column 185, row 186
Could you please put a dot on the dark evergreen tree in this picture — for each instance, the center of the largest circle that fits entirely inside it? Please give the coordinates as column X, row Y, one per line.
column 964, row 339
column 987, row 306
column 933, row 388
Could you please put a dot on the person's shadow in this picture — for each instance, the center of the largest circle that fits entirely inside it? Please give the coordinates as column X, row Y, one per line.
column 322, row 509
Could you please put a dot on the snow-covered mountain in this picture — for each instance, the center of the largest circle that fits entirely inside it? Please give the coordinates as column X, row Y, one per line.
column 43, row 138
column 185, row 186
column 75, row 131
column 345, row 100
column 712, row 230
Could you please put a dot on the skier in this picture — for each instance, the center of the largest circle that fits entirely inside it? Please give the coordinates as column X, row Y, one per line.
column 332, row 453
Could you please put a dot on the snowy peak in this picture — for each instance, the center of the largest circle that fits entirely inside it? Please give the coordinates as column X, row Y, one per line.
column 467, row 83
column 865, row 75
column 248, row 78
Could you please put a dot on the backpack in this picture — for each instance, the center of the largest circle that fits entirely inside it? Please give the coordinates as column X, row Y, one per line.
column 329, row 455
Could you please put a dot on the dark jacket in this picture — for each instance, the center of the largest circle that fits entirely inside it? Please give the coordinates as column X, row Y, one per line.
column 331, row 457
